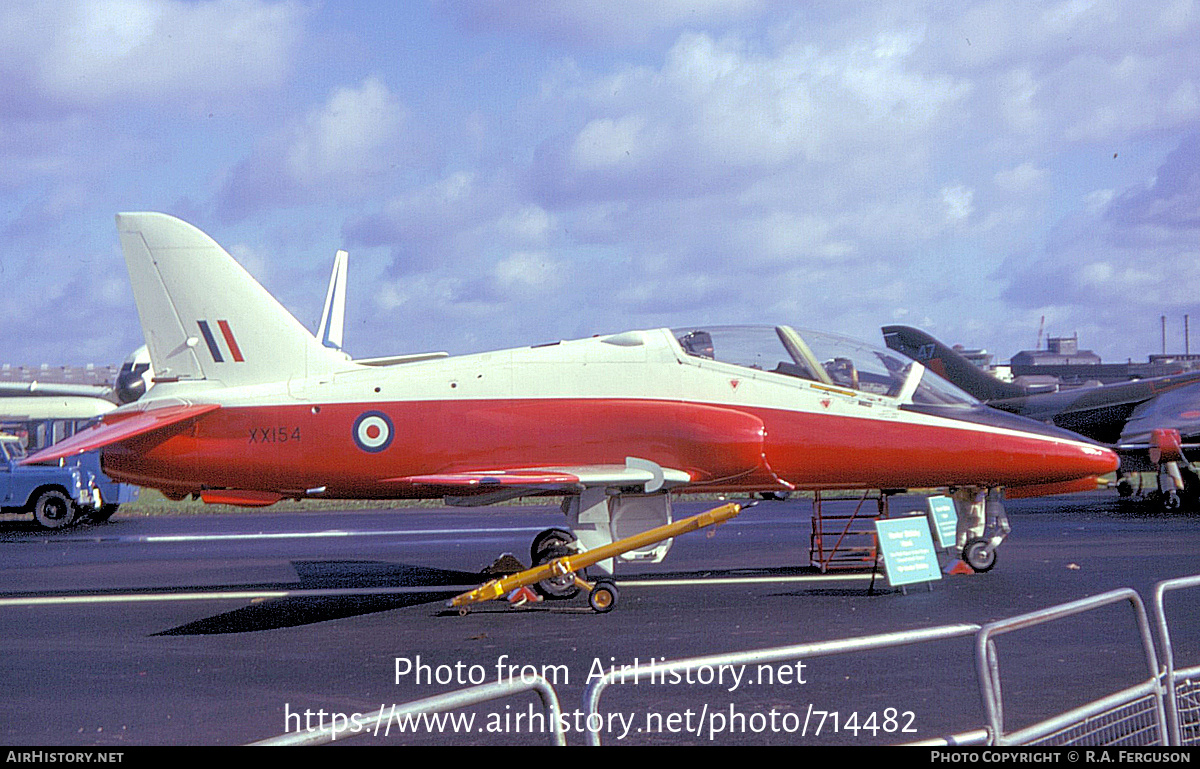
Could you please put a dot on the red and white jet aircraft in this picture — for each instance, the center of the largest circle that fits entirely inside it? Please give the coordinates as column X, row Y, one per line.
column 248, row 407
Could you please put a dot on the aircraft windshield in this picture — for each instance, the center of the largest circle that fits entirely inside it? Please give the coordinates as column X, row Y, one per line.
column 819, row 357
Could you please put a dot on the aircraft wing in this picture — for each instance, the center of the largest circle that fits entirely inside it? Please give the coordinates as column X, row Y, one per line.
column 635, row 472
column 25, row 408
column 1177, row 409
column 54, row 389
column 120, row 426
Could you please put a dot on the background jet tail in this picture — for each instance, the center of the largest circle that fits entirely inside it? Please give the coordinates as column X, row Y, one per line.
column 204, row 316
column 948, row 364
column 333, row 317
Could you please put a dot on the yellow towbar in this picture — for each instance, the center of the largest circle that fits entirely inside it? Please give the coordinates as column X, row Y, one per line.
column 603, row 593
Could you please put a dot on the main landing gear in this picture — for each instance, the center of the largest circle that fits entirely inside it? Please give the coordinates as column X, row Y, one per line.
column 558, row 567
column 553, row 544
column 1177, row 487
column 558, row 587
column 1178, row 481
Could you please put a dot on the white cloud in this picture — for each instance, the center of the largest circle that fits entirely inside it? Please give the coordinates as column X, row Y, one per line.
column 351, row 145
column 958, row 203
column 605, row 143
column 354, row 136
column 600, row 22
column 1097, row 201
column 725, row 111
column 255, row 263
column 1025, row 177
column 530, row 224
column 745, row 161
column 1124, row 258
column 825, row 164
column 529, row 272
column 83, row 52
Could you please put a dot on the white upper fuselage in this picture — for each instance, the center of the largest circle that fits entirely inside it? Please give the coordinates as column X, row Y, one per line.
column 632, row 394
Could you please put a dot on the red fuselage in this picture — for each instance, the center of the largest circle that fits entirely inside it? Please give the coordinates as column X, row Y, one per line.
column 289, row 449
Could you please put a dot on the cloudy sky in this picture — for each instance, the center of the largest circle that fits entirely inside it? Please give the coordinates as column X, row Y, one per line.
column 512, row 173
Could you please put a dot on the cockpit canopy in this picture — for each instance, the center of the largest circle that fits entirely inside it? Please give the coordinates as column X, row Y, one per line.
column 829, row 359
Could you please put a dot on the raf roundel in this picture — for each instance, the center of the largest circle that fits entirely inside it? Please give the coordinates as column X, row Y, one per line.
column 373, row 431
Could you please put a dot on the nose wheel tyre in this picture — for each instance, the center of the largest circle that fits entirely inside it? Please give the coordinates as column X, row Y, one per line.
column 978, row 555
column 603, row 597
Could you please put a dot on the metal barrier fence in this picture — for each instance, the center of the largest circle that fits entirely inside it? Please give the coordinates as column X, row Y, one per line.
column 1182, row 687
column 591, row 697
column 462, row 698
column 1130, row 717
column 1160, row 710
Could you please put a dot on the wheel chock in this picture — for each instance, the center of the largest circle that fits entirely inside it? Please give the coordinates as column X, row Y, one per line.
column 958, row 567
column 523, row 595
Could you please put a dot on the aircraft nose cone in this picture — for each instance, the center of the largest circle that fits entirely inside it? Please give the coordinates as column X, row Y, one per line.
column 1068, row 457
column 1032, row 452
column 1097, row 460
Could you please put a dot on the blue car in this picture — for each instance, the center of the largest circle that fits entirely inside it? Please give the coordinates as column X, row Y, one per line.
column 56, row 494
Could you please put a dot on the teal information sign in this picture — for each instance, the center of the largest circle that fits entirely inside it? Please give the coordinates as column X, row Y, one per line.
column 943, row 520
column 908, row 552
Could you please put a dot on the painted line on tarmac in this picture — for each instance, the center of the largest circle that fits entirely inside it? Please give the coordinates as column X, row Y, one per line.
column 219, row 595
column 329, row 534
column 250, row 595
column 816, row 578
column 98, row 537
column 326, row 534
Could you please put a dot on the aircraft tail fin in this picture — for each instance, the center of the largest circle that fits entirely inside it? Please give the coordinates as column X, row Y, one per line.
column 204, row 316
column 948, row 364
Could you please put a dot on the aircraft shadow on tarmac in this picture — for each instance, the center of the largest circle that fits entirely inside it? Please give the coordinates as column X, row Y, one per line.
column 294, row 611
column 378, row 576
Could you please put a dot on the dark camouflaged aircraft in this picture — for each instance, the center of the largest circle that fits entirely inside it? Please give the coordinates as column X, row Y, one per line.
column 1153, row 424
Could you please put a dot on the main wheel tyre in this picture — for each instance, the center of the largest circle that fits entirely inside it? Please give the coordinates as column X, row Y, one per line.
column 547, row 539
column 53, row 510
column 603, row 597
column 559, row 587
column 1171, row 500
column 978, row 556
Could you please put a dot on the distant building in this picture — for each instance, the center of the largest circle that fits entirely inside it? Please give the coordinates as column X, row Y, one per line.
column 1187, row 360
column 1071, row 366
column 1060, row 351
column 90, row 374
column 979, row 356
